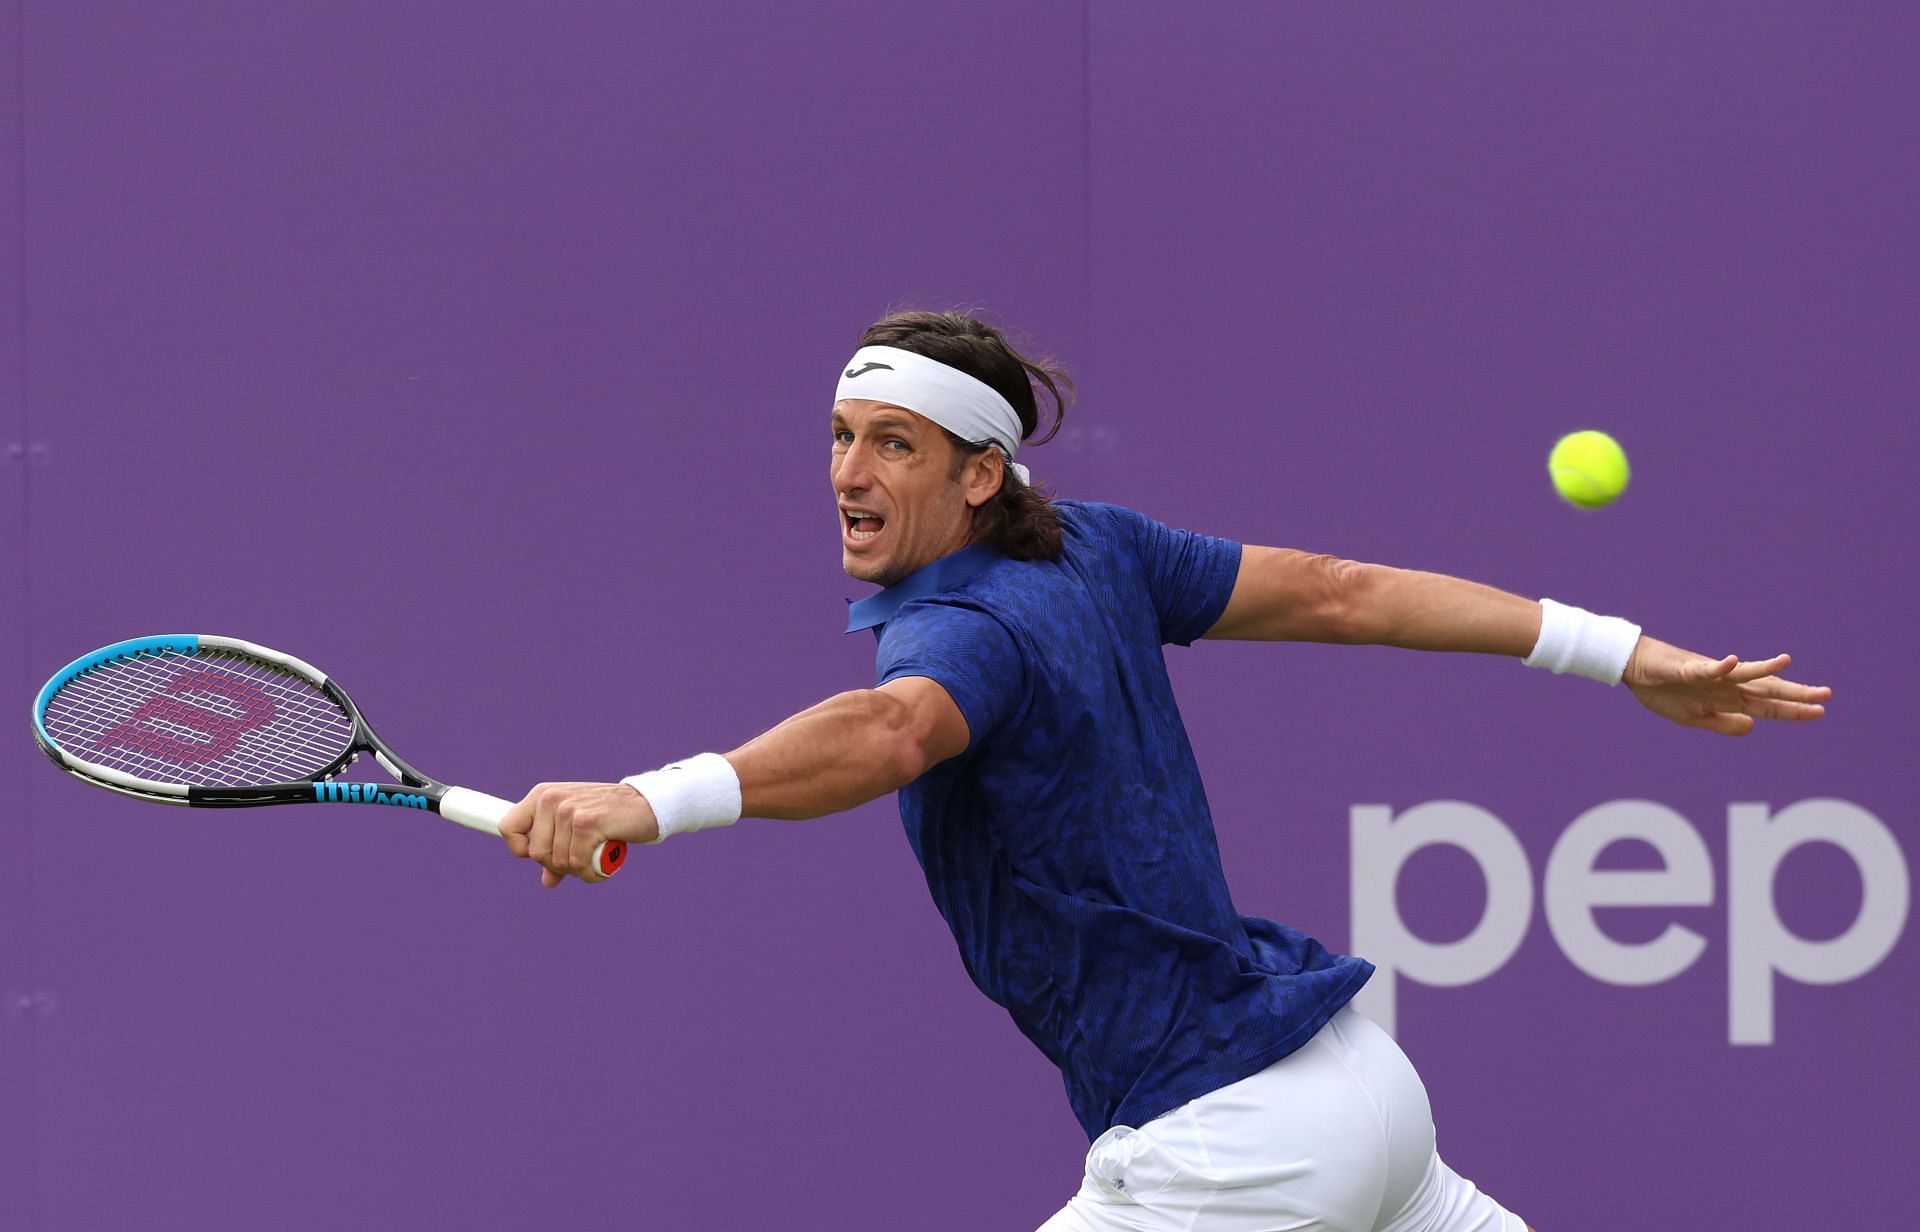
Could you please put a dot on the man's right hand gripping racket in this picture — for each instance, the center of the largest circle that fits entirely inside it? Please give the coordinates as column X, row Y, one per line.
column 215, row 722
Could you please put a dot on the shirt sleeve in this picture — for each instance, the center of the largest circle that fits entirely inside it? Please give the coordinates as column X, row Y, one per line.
column 1189, row 575
column 963, row 650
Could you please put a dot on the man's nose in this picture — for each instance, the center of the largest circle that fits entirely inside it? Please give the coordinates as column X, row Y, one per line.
column 850, row 469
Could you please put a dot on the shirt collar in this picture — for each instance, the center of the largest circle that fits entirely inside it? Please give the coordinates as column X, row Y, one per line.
column 950, row 571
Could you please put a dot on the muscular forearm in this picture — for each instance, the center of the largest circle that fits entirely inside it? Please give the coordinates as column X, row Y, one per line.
column 851, row 748
column 1431, row 611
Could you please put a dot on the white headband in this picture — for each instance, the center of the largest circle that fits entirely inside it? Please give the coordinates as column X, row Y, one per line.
column 964, row 406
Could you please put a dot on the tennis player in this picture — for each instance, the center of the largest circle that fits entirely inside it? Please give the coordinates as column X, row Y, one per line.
column 1024, row 714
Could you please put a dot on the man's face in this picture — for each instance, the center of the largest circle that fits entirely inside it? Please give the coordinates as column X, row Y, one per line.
column 901, row 505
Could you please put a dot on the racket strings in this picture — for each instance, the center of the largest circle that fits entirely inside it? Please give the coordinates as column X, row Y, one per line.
column 215, row 719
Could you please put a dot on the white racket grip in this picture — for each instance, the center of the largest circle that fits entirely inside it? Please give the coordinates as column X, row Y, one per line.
column 477, row 810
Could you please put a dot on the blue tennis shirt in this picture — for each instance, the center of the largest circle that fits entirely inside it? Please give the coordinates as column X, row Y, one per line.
column 1070, row 847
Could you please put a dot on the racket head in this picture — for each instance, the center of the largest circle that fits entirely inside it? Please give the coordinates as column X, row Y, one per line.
column 158, row 717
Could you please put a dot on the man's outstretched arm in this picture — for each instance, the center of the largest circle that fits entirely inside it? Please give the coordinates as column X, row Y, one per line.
column 1285, row 595
column 849, row 749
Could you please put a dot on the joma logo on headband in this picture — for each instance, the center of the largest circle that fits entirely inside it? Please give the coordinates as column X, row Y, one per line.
column 867, row 367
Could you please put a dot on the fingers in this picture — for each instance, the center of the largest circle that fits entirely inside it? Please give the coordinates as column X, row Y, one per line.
column 583, row 834
column 550, row 831
column 546, row 799
column 514, row 826
column 585, row 830
column 1743, row 672
column 1727, row 724
column 1727, row 695
column 1787, row 690
column 529, row 828
column 1707, row 669
column 562, row 860
column 1774, row 708
column 560, row 824
column 571, row 845
column 1738, row 671
column 1764, row 695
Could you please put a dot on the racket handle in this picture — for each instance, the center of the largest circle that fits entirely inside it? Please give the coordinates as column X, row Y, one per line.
column 477, row 810
column 609, row 856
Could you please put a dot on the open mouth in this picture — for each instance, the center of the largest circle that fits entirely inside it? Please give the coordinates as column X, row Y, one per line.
column 861, row 525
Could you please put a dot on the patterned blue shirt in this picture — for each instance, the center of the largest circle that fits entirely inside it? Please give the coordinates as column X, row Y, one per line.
column 1070, row 847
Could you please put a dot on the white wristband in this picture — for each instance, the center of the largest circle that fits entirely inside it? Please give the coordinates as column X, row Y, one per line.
column 1575, row 640
column 696, row 794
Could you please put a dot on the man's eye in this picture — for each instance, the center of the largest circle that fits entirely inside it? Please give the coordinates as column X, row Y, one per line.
column 843, row 437
column 898, row 445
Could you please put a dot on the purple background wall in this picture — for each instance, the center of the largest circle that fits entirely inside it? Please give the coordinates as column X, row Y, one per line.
column 478, row 353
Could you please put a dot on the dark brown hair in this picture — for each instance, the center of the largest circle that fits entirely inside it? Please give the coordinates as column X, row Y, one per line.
column 1018, row 519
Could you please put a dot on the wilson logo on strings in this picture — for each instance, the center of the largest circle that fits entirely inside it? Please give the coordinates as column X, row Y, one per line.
column 365, row 793
column 222, row 731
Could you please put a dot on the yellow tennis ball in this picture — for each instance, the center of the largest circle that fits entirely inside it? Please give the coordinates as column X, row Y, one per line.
column 1589, row 469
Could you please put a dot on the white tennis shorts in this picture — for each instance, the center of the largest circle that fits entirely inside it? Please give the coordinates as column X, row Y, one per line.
column 1336, row 1137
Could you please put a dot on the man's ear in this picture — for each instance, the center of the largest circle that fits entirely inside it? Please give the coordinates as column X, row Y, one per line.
column 986, row 471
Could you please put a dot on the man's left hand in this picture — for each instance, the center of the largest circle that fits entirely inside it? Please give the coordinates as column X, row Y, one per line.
column 1723, row 695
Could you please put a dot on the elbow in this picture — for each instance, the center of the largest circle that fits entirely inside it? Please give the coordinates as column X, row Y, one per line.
column 1349, row 612
column 902, row 740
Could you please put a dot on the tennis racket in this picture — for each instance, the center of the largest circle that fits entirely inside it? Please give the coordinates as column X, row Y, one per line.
column 214, row 722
